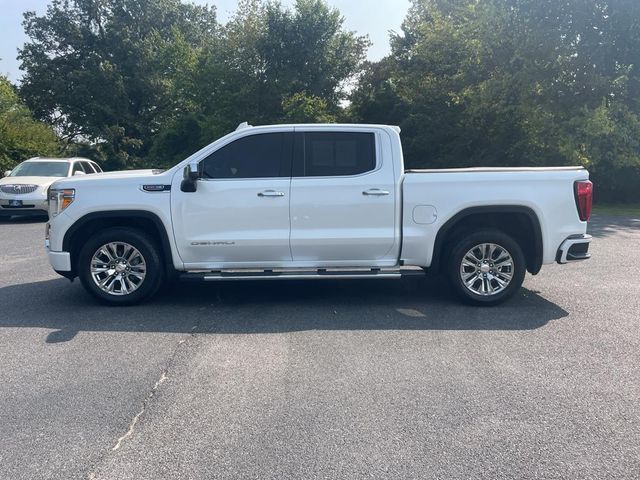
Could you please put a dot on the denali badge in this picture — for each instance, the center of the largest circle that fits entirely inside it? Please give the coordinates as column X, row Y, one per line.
column 156, row 188
column 212, row 244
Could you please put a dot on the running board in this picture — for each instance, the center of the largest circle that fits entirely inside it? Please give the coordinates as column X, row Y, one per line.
column 231, row 275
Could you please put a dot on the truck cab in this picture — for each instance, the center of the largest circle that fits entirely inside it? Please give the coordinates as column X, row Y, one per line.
column 292, row 197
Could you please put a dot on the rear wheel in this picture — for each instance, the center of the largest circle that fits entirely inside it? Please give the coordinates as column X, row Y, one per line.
column 120, row 266
column 486, row 267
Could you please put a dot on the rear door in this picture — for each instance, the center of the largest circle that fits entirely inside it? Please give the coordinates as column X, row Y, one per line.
column 343, row 199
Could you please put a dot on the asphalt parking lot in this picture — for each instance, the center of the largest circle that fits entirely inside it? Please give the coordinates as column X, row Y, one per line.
column 342, row 380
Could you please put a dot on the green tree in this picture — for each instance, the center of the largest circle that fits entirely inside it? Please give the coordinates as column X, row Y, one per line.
column 514, row 82
column 113, row 72
column 269, row 64
column 147, row 82
column 304, row 108
column 21, row 136
column 270, row 54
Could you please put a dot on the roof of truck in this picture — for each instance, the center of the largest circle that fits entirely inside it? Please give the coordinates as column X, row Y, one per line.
column 245, row 125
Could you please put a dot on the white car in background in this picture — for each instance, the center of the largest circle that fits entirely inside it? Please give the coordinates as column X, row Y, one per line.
column 23, row 190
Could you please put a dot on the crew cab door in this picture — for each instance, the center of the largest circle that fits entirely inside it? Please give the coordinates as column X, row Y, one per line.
column 343, row 199
column 239, row 214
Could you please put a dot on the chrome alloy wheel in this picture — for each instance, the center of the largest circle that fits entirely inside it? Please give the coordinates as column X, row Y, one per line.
column 118, row 268
column 487, row 269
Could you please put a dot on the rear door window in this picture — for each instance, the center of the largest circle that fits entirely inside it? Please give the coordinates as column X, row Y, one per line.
column 335, row 154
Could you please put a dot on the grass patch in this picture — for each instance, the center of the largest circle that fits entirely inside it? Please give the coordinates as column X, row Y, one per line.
column 627, row 210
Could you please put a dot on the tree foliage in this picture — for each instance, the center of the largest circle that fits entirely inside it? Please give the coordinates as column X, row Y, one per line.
column 108, row 71
column 514, row 82
column 21, row 136
column 149, row 81
column 270, row 65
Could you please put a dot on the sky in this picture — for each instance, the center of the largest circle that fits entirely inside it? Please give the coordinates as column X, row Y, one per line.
column 371, row 17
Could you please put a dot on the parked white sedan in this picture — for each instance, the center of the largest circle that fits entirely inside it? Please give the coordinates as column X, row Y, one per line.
column 23, row 190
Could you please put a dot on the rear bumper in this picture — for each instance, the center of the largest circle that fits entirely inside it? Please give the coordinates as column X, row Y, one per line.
column 574, row 249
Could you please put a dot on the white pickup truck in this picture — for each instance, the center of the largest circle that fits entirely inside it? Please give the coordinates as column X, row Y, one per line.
column 315, row 202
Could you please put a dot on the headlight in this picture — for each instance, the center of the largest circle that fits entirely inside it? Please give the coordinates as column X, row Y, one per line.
column 59, row 200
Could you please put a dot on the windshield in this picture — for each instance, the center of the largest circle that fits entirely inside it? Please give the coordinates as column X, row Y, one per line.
column 41, row 169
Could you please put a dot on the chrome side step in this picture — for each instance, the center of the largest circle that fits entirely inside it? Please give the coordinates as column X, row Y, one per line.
column 297, row 276
column 237, row 275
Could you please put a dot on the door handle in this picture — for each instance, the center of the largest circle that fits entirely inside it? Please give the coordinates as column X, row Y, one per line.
column 271, row 193
column 375, row 192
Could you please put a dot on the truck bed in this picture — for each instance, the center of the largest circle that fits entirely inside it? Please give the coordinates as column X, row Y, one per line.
column 431, row 197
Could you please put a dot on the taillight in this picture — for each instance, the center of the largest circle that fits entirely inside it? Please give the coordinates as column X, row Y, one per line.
column 584, row 199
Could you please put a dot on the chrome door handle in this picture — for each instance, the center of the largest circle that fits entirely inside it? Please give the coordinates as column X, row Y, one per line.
column 271, row 193
column 375, row 192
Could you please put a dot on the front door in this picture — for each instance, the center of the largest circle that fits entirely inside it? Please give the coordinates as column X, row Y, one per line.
column 239, row 215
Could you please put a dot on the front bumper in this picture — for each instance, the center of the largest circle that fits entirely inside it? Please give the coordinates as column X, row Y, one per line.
column 32, row 204
column 60, row 261
column 574, row 248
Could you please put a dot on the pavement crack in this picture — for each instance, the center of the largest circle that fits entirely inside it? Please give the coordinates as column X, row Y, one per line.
column 132, row 425
column 164, row 376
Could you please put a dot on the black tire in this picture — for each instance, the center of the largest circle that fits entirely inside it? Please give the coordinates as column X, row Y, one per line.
column 154, row 275
column 467, row 242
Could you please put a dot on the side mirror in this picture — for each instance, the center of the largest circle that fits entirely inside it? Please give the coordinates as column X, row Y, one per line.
column 7, row 173
column 79, row 172
column 190, row 178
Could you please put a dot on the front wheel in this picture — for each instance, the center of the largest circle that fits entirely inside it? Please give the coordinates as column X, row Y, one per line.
column 120, row 266
column 486, row 267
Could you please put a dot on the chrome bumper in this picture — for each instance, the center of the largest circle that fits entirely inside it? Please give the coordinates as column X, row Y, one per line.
column 30, row 205
column 574, row 248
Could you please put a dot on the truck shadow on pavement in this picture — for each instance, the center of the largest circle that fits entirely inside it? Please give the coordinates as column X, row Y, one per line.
column 269, row 307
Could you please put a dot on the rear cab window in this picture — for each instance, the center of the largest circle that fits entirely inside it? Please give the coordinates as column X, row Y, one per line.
column 334, row 154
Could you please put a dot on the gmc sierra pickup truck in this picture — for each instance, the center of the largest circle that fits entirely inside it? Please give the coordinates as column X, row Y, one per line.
column 315, row 202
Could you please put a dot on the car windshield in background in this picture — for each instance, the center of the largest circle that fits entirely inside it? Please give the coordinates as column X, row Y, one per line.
column 41, row 169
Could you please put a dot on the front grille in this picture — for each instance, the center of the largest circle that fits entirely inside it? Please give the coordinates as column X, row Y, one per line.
column 18, row 189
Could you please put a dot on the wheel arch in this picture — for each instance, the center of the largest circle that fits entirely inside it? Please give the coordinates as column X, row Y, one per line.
column 140, row 220
column 524, row 228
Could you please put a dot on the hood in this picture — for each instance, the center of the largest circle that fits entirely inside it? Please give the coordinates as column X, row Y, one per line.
column 120, row 174
column 110, row 177
column 41, row 181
